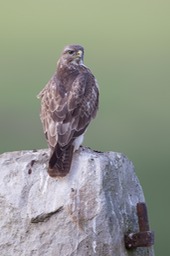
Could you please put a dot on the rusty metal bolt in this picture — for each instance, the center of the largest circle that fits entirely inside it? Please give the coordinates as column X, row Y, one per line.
column 144, row 238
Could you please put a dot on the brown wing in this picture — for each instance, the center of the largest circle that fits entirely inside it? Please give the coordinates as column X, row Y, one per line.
column 50, row 99
column 66, row 112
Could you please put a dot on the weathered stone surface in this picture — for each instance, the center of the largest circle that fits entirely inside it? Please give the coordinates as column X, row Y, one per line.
column 85, row 213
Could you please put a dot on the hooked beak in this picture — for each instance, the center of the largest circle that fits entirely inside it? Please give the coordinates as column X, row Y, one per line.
column 79, row 54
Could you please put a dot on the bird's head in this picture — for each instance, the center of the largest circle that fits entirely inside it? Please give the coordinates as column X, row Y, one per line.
column 72, row 54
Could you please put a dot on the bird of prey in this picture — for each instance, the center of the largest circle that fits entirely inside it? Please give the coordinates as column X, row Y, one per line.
column 69, row 102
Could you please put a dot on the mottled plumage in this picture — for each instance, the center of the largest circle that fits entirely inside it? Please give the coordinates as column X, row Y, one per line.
column 68, row 103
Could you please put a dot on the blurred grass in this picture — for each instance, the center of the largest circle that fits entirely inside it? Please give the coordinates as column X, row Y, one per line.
column 127, row 48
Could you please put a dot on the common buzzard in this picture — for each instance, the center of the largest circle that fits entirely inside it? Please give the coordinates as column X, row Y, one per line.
column 69, row 102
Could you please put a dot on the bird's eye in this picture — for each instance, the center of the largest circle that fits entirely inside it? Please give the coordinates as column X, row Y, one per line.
column 70, row 52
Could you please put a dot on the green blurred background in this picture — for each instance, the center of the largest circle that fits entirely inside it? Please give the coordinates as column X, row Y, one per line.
column 127, row 46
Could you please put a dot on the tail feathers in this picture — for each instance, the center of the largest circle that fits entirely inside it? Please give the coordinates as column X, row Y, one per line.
column 60, row 161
